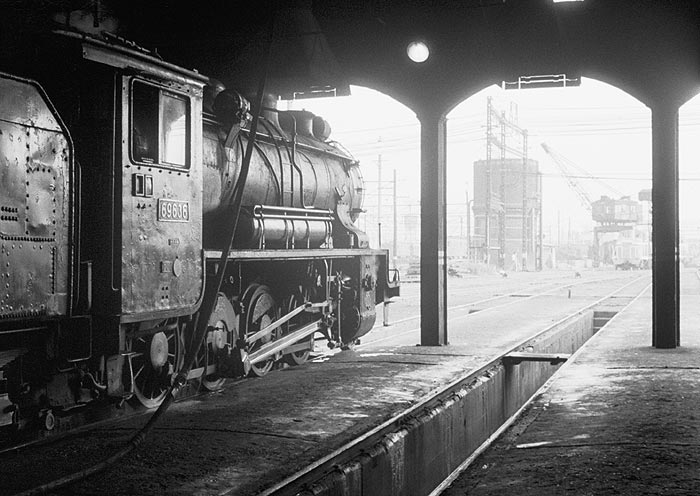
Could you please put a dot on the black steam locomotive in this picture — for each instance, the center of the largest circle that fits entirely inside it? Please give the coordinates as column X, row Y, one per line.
column 117, row 178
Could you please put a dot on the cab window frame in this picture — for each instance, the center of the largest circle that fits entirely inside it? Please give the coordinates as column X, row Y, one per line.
column 156, row 120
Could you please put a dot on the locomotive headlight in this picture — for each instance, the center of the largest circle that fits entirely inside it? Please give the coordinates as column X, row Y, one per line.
column 418, row 51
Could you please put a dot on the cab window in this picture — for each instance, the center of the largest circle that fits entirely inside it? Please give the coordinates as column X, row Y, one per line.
column 174, row 130
column 159, row 126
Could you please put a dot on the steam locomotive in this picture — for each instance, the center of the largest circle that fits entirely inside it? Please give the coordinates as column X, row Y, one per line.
column 118, row 173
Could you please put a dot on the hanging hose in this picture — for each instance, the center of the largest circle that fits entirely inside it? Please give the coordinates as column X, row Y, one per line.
column 200, row 324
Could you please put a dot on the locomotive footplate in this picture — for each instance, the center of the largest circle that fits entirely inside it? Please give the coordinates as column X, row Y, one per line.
column 297, row 254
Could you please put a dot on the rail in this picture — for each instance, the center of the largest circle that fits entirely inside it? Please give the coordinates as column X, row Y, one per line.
column 551, row 288
column 296, row 483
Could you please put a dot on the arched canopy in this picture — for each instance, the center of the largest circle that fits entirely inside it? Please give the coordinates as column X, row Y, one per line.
column 648, row 48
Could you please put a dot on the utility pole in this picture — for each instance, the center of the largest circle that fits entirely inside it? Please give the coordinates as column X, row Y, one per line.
column 501, row 127
column 379, row 196
column 540, row 235
column 558, row 228
column 487, row 217
column 502, row 194
column 525, row 191
column 469, row 227
column 396, row 224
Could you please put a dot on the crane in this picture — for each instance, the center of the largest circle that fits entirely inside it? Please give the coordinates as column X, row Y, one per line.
column 565, row 165
column 572, row 172
column 609, row 214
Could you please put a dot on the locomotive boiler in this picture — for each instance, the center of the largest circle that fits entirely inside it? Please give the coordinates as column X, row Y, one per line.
column 118, row 173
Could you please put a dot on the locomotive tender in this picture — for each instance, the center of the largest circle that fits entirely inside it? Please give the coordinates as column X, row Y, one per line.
column 117, row 177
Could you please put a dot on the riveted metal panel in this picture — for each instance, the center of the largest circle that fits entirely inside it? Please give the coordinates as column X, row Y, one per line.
column 23, row 104
column 162, row 233
column 35, row 172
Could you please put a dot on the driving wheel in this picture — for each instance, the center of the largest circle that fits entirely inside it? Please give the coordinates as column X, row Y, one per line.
column 154, row 358
column 261, row 311
column 220, row 339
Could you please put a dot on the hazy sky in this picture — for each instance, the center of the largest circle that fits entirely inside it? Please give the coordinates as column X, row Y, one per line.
column 603, row 130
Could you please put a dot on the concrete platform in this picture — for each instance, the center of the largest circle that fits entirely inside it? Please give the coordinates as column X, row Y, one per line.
column 252, row 434
column 621, row 418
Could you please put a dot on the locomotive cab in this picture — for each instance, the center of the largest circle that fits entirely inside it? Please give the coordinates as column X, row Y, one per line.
column 157, row 259
column 161, row 197
column 104, row 244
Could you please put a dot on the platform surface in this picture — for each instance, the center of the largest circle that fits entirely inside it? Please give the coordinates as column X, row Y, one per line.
column 622, row 418
column 253, row 433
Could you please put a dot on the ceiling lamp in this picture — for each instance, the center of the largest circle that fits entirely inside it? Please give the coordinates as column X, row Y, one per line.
column 418, row 51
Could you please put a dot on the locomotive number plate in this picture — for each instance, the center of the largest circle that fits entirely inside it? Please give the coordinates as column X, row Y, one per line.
column 173, row 210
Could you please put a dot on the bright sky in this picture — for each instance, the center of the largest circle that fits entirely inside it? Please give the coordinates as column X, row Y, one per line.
column 602, row 129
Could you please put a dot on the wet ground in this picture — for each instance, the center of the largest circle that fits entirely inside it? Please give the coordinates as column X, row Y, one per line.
column 255, row 432
column 623, row 419
column 241, row 438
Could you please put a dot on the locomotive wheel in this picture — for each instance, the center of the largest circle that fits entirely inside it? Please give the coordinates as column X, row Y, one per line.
column 222, row 329
column 261, row 311
column 297, row 357
column 154, row 358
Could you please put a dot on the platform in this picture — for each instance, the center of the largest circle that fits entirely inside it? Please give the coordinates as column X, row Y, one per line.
column 620, row 418
column 254, row 433
column 251, row 434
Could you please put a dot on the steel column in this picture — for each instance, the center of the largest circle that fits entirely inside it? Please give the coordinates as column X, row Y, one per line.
column 665, row 270
column 433, row 246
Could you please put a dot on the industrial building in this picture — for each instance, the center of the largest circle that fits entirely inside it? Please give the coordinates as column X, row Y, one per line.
column 508, row 213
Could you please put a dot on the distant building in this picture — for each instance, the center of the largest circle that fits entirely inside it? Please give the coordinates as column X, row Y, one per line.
column 508, row 213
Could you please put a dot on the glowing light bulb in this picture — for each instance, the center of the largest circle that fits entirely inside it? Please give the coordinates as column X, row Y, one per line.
column 418, row 51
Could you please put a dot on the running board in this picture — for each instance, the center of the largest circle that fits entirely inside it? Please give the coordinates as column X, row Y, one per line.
column 269, row 349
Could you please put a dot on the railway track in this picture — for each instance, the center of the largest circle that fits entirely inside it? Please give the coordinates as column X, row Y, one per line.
column 301, row 483
column 534, row 288
column 238, row 388
column 495, row 302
